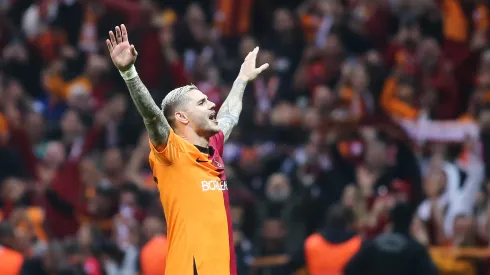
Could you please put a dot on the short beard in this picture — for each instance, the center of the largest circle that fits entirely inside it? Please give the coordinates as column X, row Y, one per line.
column 207, row 133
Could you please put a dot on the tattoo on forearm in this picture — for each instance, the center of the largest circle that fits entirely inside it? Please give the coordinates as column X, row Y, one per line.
column 155, row 122
column 232, row 107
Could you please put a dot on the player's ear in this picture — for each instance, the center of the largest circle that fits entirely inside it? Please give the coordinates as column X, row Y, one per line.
column 181, row 117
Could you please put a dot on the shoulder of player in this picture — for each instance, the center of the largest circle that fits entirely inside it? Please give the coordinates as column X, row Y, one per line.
column 175, row 143
column 183, row 155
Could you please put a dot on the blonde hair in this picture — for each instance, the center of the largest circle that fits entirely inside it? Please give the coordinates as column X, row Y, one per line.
column 173, row 99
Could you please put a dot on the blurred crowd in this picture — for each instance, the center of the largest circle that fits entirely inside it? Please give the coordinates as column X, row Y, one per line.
column 367, row 103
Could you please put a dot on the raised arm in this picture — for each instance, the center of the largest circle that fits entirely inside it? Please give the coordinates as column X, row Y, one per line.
column 123, row 56
column 232, row 107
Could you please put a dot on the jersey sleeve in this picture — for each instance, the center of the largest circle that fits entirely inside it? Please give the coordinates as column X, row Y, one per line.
column 173, row 150
column 217, row 141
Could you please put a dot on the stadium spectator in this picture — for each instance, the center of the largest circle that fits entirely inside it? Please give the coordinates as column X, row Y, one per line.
column 394, row 252
column 12, row 260
column 151, row 260
column 327, row 251
column 366, row 104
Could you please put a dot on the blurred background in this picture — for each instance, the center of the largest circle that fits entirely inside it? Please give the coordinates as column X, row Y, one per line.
column 367, row 103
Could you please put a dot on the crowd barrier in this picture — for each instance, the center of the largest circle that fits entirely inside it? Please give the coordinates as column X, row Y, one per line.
column 449, row 260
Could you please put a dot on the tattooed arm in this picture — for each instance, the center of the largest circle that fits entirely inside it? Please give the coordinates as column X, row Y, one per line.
column 232, row 107
column 123, row 56
column 155, row 122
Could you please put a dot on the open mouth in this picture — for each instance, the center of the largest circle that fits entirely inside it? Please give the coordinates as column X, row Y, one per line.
column 212, row 116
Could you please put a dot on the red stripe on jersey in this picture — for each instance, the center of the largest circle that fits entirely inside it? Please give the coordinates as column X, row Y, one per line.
column 226, row 200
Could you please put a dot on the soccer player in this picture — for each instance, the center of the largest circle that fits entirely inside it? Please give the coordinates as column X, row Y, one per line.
column 186, row 141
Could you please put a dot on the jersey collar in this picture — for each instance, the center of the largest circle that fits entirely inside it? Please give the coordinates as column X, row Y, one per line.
column 206, row 150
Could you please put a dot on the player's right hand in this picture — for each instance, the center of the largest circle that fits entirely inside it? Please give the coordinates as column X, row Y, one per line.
column 123, row 54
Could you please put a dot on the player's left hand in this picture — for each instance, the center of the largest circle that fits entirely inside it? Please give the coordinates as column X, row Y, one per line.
column 248, row 71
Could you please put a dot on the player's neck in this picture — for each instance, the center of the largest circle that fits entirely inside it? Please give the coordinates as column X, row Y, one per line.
column 193, row 137
column 200, row 141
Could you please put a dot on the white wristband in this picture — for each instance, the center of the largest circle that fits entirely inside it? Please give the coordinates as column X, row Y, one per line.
column 129, row 74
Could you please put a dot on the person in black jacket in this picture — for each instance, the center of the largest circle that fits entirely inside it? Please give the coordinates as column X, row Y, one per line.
column 393, row 253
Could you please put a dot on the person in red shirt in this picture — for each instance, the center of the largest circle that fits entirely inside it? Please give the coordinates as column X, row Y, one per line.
column 186, row 141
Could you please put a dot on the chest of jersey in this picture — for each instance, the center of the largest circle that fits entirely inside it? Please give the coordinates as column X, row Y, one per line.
column 195, row 183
